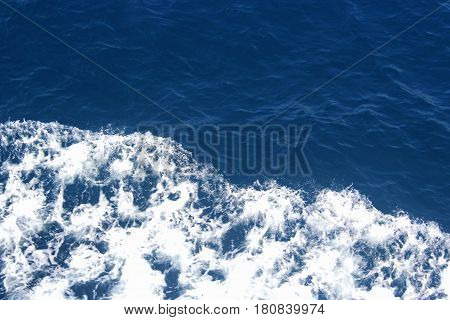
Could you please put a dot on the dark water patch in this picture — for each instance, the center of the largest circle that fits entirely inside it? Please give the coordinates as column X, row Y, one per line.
column 400, row 285
column 80, row 192
column 216, row 275
column 130, row 222
column 3, row 292
column 172, row 289
column 233, row 241
column 92, row 290
column 50, row 232
column 322, row 295
column 141, row 190
column 69, row 243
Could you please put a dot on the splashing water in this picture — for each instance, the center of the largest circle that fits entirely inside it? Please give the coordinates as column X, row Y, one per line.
column 110, row 216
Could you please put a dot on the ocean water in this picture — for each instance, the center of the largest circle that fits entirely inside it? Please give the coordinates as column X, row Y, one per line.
column 94, row 206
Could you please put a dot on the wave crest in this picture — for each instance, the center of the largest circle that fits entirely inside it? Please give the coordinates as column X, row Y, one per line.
column 104, row 216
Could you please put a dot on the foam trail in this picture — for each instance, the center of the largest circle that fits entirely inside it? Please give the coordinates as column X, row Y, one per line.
column 86, row 215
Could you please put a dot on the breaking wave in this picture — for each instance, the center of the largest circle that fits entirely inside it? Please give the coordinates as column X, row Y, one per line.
column 100, row 215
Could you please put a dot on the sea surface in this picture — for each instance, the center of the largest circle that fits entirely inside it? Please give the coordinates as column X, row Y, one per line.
column 94, row 206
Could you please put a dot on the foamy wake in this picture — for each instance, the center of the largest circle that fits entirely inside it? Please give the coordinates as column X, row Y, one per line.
column 110, row 216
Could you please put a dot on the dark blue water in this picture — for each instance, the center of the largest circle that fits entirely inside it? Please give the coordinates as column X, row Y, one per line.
column 382, row 127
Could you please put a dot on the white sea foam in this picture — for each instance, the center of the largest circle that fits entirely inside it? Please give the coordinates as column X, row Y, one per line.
column 97, row 215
